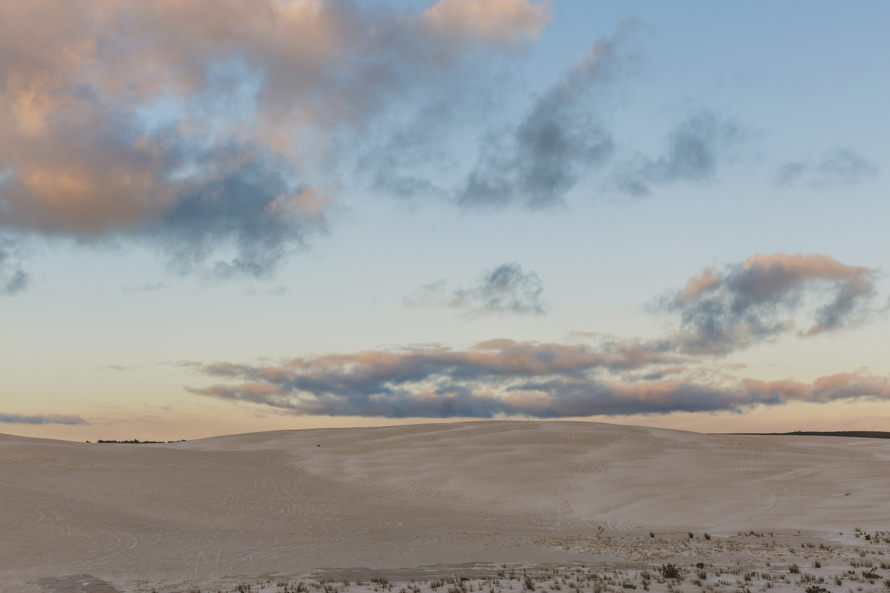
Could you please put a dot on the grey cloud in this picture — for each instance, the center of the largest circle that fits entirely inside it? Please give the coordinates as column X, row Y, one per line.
column 250, row 208
column 402, row 164
column 695, row 149
column 755, row 300
column 389, row 180
column 841, row 166
column 41, row 419
column 277, row 291
column 13, row 279
column 150, row 287
column 434, row 294
column 560, row 138
column 505, row 289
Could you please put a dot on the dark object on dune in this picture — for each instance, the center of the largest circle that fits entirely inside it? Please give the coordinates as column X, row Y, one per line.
column 861, row 434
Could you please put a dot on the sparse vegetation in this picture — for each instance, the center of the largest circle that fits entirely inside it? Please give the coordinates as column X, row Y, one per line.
column 863, row 574
column 670, row 571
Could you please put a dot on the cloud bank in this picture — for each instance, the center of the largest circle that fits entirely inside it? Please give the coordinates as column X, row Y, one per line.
column 504, row 378
column 720, row 310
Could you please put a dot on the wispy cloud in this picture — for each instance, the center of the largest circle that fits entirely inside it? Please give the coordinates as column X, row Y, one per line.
column 40, row 419
column 841, row 166
column 558, row 140
column 505, row 289
column 695, row 149
column 149, row 287
column 13, row 279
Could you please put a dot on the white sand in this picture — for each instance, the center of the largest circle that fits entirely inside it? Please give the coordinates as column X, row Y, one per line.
column 405, row 497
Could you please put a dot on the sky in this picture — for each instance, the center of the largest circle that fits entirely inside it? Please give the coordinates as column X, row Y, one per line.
column 225, row 216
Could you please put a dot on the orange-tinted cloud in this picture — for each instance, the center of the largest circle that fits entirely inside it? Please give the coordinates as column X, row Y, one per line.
column 725, row 309
column 126, row 118
column 502, row 21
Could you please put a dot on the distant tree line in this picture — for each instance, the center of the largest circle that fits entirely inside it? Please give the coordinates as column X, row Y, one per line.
column 862, row 434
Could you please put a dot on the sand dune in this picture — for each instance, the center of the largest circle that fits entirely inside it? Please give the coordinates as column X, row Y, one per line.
column 409, row 496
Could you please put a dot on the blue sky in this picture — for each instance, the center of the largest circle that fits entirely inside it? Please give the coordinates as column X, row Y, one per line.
column 310, row 213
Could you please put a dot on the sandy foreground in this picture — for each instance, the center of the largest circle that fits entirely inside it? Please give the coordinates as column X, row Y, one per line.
column 477, row 507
